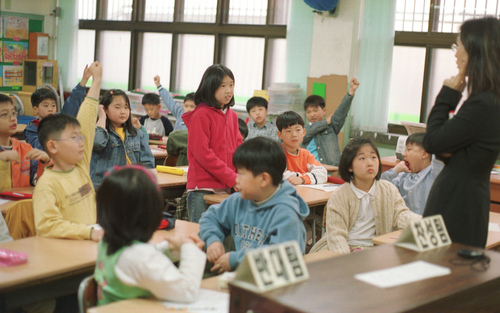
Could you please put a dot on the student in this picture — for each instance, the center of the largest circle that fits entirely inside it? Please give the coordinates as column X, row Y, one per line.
column 213, row 136
column 365, row 207
column 19, row 162
column 242, row 126
column 173, row 106
column 415, row 175
column 155, row 123
column 321, row 137
column 257, row 109
column 44, row 103
column 117, row 141
column 266, row 211
column 302, row 167
column 64, row 198
column 127, row 265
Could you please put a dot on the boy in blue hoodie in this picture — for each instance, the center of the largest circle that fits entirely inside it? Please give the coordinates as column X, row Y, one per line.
column 266, row 211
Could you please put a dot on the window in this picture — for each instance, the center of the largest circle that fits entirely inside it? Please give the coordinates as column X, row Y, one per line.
column 179, row 39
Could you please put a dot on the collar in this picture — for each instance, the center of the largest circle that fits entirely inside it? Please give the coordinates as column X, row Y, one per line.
column 259, row 203
column 360, row 193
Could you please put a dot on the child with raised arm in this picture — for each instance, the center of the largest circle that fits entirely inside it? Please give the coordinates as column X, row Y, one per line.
column 174, row 107
column 266, row 211
column 44, row 103
column 64, row 198
column 257, row 109
column 213, row 135
column 322, row 132
column 154, row 122
column 118, row 140
column 301, row 166
column 127, row 265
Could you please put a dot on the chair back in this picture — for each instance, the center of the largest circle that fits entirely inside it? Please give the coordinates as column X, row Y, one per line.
column 87, row 294
column 170, row 160
column 20, row 219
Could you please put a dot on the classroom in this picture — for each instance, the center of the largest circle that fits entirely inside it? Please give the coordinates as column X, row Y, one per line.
column 402, row 65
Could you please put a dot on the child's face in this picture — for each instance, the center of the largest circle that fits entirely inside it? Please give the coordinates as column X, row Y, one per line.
column 45, row 108
column 365, row 164
column 292, row 136
column 8, row 119
column 225, row 92
column 315, row 113
column 189, row 106
column 248, row 184
column 153, row 110
column 258, row 115
column 415, row 158
column 69, row 146
column 118, row 111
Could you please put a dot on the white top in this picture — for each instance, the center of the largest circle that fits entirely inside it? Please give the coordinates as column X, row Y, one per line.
column 146, row 266
column 363, row 231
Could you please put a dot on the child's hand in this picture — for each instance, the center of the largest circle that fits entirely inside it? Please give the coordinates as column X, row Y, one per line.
column 222, row 264
column 10, row 156
column 96, row 234
column 95, row 70
column 157, row 81
column 294, row 180
column 353, row 85
column 101, row 114
column 197, row 241
column 214, row 251
column 401, row 167
column 456, row 82
column 136, row 123
column 39, row 155
column 175, row 242
column 328, row 119
column 86, row 76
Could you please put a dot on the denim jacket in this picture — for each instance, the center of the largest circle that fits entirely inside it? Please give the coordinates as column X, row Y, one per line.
column 109, row 150
column 326, row 136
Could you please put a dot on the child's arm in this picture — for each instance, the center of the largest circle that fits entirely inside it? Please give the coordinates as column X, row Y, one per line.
column 215, row 223
column 337, row 223
column 316, row 173
column 10, row 156
column 146, row 157
column 75, row 99
column 402, row 216
column 393, row 176
column 137, row 124
column 167, row 125
column 171, row 104
column 312, row 130
column 101, row 135
column 338, row 119
column 30, row 134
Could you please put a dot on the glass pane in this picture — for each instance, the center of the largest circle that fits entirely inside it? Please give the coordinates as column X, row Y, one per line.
column 196, row 54
column 156, row 54
column 86, row 9
column 275, row 62
column 443, row 66
column 247, row 12
column 281, row 12
column 115, row 57
column 201, row 11
column 412, row 15
column 245, row 57
column 86, row 50
column 159, row 10
column 452, row 13
column 118, row 10
column 406, row 84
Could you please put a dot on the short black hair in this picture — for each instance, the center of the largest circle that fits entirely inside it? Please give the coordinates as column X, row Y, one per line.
column 289, row 118
column 42, row 94
column 189, row 96
column 243, row 128
column 150, row 98
column 416, row 139
column 52, row 126
column 259, row 155
column 4, row 98
column 129, row 207
column 106, row 101
column 210, row 82
column 350, row 152
column 314, row 101
column 256, row 102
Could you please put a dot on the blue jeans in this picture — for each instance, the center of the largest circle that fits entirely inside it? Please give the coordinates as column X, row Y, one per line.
column 196, row 205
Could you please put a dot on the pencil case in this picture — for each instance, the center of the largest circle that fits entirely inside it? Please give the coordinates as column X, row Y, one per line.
column 10, row 258
column 170, row 170
column 12, row 195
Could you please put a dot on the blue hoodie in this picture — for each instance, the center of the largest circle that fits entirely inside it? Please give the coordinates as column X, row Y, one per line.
column 277, row 220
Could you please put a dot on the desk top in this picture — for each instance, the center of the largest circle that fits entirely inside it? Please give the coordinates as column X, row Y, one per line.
column 165, row 180
column 5, row 206
column 159, row 142
column 158, row 153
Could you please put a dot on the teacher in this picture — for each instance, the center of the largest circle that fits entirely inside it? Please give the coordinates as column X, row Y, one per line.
column 469, row 143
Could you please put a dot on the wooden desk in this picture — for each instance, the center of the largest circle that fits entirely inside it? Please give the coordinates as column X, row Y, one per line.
column 492, row 242
column 163, row 141
column 172, row 186
column 333, row 288
column 5, row 206
column 158, row 153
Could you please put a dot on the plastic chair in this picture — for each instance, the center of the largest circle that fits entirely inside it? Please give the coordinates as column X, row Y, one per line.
column 87, row 294
column 20, row 219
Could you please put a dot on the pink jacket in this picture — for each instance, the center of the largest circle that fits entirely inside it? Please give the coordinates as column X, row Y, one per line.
column 212, row 139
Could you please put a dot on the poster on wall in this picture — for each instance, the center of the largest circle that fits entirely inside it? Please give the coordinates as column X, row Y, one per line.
column 12, row 75
column 13, row 51
column 16, row 27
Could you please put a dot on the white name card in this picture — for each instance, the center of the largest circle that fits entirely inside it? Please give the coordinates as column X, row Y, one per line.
column 425, row 234
column 271, row 267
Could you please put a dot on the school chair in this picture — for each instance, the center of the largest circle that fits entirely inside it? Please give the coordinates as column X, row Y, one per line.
column 177, row 146
column 20, row 219
column 87, row 294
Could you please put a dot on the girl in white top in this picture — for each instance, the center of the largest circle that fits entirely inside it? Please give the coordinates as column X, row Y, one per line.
column 365, row 207
column 129, row 209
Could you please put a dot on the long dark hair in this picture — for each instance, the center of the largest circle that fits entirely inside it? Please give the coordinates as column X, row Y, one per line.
column 211, row 81
column 481, row 40
column 106, row 101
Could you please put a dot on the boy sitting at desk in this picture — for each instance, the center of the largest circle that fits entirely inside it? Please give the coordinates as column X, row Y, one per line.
column 155, row 123
column 415, row 175
column 301, row 166
column 19, row 162
column 257, row 109
column 44, row 103
column 64, row 199
column 266, row 211
column 321, row 133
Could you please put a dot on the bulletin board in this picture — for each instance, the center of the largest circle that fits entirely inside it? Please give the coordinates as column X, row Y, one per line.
column 331, row 87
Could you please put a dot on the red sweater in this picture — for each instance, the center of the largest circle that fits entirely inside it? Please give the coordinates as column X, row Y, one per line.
column 212, row 139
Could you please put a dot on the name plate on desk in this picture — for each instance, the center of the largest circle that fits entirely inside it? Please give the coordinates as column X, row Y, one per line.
column 425, row 234
column 271, row 267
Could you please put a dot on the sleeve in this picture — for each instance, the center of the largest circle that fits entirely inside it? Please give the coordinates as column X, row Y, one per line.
column 337, row 223
column 215, row 223
column 312, row 130
column 145, row 267
column 171, row 104
column 101, row 138
column 340, row 114
column 75, row 99
column 402, row 216
column 392, row 176
column 142, row 119
column 436, row 166
column 145, row 132
column 4, row 231
column 167, row 125
column 316, row 173
column 87, row 116
column 30, row 134
column 146, row 157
